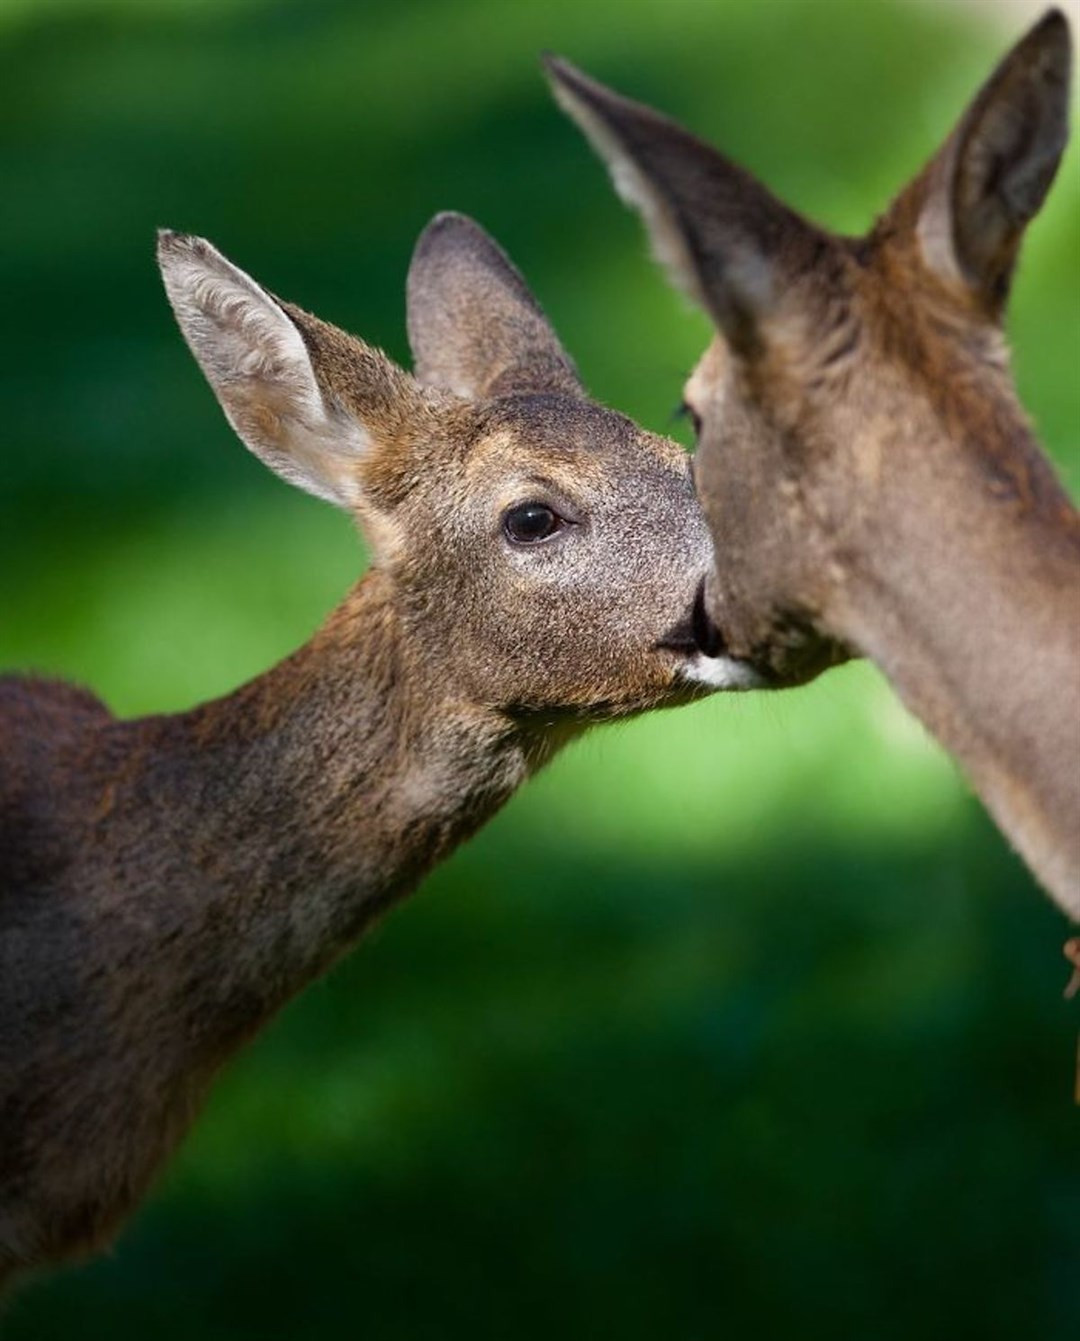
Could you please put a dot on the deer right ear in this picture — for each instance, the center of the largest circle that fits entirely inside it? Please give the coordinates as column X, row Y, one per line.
column 721, row 236
column 474, row 327
column 256, row 360
column 991, row 177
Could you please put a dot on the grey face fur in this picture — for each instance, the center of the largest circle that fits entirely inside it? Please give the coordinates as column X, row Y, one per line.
column 580, row 621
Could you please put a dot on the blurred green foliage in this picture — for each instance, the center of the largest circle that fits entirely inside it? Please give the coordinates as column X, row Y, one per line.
column 741, row 1019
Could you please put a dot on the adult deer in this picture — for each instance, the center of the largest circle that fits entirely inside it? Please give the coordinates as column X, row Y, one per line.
column 167, row 884
column 867, row 472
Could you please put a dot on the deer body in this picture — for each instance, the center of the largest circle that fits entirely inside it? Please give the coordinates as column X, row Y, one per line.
column 870, row 480
column 224, row 857
column 167, row 884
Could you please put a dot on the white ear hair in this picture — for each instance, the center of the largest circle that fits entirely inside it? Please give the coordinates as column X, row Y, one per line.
column 256, row 360
column 722, row 237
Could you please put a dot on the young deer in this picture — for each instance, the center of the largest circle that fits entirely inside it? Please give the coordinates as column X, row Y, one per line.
column 867, row 472
column 167, row 884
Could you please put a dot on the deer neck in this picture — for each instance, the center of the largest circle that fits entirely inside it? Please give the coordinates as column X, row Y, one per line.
column 298, row 808
column 965, row 590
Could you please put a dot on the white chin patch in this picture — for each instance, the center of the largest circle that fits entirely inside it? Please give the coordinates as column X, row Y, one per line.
column 722, row 673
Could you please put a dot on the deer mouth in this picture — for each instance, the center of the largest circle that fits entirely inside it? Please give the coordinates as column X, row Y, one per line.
column 705, row 661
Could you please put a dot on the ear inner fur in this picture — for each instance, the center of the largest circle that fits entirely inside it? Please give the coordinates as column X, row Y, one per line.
column 721, row 235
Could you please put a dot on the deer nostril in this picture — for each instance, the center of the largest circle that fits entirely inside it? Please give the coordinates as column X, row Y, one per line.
column 706, row 635
column 695, row 632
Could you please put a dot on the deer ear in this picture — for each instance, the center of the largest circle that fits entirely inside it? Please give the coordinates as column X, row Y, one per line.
column 474, row 327
column 257, row 361
column 989, row 180
column 722, row 237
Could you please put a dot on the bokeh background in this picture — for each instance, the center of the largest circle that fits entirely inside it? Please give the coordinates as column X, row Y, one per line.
column 741, row 1019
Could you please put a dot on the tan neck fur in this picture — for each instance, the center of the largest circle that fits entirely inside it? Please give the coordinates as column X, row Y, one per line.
column 970, row 605
column 269, row 829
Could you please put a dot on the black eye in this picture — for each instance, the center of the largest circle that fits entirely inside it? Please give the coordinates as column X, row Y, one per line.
column 526, row 523
column 688, row 412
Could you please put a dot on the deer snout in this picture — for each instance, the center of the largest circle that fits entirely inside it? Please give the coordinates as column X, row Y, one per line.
column 779, row 648
column 695, row 633
column 697, row 640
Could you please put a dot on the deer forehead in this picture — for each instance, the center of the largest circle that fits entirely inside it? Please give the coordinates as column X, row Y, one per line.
column 576, row 446
column 511, row 465
column 927, row 355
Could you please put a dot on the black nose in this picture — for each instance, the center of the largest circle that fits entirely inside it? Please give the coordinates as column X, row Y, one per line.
column 695, row 632
column 706, row 634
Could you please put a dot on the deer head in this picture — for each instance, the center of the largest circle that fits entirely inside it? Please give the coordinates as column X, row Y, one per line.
column 546, row 556
column 853, row 382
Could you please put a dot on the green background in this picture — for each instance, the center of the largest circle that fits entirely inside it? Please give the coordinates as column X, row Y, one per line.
column 739, row 1020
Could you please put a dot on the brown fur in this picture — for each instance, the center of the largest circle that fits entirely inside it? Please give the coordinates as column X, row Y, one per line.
column 167, row 884
column 871, row 482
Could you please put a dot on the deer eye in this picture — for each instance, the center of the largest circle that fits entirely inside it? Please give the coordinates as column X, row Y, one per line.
column 687, row 411
column 526, row 523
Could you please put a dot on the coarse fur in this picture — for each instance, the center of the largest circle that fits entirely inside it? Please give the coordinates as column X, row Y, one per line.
column 166, row 884
column 872, row 484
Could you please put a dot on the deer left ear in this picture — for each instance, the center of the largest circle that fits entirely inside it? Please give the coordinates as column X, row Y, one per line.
column 992, row 175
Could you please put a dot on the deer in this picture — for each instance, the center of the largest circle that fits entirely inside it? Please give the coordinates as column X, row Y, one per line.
column 869, row 476
column 168, row 883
